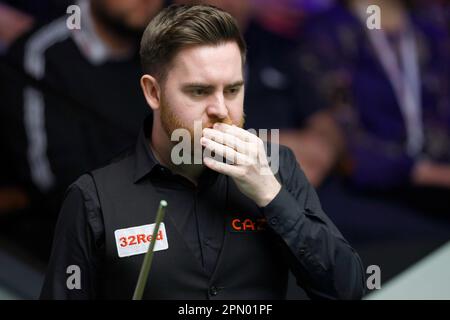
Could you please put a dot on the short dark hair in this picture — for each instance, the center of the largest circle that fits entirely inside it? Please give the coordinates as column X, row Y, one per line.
column 180, row 26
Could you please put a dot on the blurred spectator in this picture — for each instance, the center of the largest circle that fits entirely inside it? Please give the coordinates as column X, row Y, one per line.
column 277, row 93
column 71, row 100
column 18, row 16
column 42, row 11
column 390, row 90
column 13, row 24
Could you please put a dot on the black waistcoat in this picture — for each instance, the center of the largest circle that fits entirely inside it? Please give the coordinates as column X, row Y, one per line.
column 250, row 264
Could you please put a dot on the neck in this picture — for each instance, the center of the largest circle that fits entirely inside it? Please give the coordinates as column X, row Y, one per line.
column 162, row 148
column 119, row 46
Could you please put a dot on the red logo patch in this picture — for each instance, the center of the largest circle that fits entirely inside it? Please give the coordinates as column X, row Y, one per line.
column 248, row 224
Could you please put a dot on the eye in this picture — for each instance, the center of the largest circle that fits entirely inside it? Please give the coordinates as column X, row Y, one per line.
column 233, row 91
column 198, row 92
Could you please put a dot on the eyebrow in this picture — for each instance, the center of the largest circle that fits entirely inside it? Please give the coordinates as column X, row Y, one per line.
column 235, row 84
column 192, row 85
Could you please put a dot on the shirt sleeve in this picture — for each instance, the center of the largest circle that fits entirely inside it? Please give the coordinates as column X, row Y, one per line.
column 323, row 262
column 77, row 246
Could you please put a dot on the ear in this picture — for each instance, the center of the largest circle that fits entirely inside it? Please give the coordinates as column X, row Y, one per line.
column 152, row 91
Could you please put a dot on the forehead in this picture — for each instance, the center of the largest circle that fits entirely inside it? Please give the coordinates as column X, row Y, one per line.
column 208, row 63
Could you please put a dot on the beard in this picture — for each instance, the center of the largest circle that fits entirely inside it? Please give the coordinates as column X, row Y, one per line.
column 170, row 121
column 116, row 23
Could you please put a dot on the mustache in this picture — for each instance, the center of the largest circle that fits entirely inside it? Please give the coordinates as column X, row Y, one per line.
column 226, row 121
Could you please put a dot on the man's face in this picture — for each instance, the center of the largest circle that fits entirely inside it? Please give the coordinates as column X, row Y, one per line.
column 203, row 83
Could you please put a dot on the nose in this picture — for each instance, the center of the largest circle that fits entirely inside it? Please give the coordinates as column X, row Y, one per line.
column 217, row 107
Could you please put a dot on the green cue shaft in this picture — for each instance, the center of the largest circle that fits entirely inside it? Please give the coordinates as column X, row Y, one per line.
column 145, row 269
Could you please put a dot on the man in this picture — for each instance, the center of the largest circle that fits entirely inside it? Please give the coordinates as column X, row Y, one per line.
column 232, row 229
column 65, row 96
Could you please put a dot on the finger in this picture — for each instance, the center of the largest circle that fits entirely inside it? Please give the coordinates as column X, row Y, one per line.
column 225, row 152
column 254, row 144
column 229, row 140
column 242, row 134
column 224, row 168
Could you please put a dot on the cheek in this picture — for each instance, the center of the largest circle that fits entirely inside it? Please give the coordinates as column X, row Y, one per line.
column 185, row 109
column 236, row 109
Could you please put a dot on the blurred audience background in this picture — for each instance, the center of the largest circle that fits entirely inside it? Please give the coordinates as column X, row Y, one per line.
column 366, row 112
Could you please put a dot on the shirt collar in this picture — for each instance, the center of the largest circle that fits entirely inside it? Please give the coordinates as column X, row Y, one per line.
column 145, row 159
